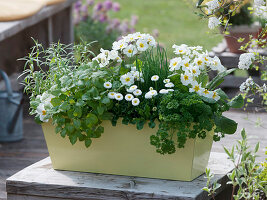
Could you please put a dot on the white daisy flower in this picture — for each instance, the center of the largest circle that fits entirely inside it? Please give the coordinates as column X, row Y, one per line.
column 148, row 95
column 186, row 78
column 151, row 88
column 155, row 78
column 132, row 88
column 111, row 95
column 175, row 64
column 127, row 79
column 137, row 92
column 166, row 80
column 135, row 102
column 153, row 92
column 142, row 45
column 163, row 91
column 118, row 96
column 129, row 97
column 42, row 113
column 108, row 85
column 130, row 50
column 169, row 85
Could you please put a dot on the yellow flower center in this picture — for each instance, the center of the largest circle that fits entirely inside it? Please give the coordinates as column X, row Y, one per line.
column 206, row 91
column 186, row 64
column 206, row 59
column 186, row 77
column 194, row 71
column 214, row 95
column 121, row 45
column 215, row 63
column 180, row 51
column 43, row 112
column 141, row 45
column 127, row 79
column 174, row 64
column 199, row 62
column 130, row 51
column 196, row 88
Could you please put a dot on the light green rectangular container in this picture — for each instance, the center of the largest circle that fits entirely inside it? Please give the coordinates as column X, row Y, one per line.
column 124, row 150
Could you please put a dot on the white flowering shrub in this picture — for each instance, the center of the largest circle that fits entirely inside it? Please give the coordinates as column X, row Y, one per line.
column 135, row 81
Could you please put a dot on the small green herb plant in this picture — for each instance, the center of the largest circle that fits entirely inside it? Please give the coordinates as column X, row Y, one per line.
column 134, row 82
column 248, row 178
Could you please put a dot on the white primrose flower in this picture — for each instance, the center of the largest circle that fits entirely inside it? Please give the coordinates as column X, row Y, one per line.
column 132, row 88
column 137, row 92
column 118, row 96
column 181, row 50
column 151, row 88
column 186, row 64
column 186, row 78
column 245, row 60
column 153, row 92
column 130, row 38
column 213, row 22
column 127, row 79
column 108, row 85
column 215, row 96
column 217, row 65
column 119, row 45
column 169, row 85
column 212, row 5
column 142, row 45
column 175, row 64
column 196, row 88
column 166, row 80
column 42, row 113
column 46, row 98
column 102, row 60
column 155, row 78
column 111, row 95
column 150, row 40
column 129, row 97
column 195, row 71
column 130, row 50
column 200, row 62
column 163, row 91
column 114, row 55
column 135, row 102
column 205, row 93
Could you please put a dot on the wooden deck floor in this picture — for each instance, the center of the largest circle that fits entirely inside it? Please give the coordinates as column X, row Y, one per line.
column 18, row 155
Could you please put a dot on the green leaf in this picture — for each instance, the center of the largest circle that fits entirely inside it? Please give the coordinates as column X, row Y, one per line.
column 69, row 128
column 77, row 123
column 105, row 100
column 237, row 102
column 56, row 101
column 100, row 110
column 64, row 106
column 91, row 119
column 208, row 100
column 106, row 116
column 257, row 147
column 151, row 124
column 222, row 94
column 225, row 124
column 63, row 133
column 218, row 79
column 73, row 139
column 140, row 124
column 93, row 92
column 88, row 142
column 199, row 2
column 243, row 134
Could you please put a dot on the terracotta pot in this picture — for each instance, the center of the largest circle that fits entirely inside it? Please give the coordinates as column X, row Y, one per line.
column 236, row 32
column 123, row 150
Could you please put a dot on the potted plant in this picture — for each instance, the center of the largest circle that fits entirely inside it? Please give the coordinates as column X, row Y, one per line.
column 241, row 24
column 138, row 113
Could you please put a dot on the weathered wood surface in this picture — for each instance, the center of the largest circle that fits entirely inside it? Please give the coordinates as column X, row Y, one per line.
column 40, row 179
column 8, row 29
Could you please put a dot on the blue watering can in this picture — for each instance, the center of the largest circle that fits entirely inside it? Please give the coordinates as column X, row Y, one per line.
column 11, row 126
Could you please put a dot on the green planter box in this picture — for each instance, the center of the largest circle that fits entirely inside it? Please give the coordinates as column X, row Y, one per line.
column 123, row 150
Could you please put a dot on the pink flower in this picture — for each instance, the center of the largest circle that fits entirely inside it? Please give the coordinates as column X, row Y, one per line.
column 108, row 4
column 116, row 7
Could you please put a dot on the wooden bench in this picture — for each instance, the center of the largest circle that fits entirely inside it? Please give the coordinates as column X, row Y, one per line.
column 51, row 24
column 41, row 181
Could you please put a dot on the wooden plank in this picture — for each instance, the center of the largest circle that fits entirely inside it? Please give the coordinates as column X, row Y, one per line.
column 8, row 29
column 40, row 179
